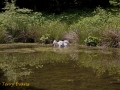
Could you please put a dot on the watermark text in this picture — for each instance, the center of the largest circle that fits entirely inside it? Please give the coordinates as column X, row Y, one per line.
column 14, row 84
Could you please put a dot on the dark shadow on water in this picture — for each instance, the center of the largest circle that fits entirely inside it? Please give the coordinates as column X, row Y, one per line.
column 19, row 88
column 70, row 76
column 4, row 79
column 66, row 76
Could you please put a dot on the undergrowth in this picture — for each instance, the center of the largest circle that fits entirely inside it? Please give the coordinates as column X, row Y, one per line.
column 24, row 25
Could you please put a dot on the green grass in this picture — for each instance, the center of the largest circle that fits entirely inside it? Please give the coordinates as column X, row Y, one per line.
column 36, row 24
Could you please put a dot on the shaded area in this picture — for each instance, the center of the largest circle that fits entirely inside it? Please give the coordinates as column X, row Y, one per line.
column 20, row 88
column 69, row 76
column 58, row 6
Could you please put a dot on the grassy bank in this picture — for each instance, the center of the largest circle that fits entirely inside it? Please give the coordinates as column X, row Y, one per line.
column 25, row 24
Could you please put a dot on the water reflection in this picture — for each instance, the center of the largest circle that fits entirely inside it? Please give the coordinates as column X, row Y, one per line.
column 76, row 69
column 102, row 62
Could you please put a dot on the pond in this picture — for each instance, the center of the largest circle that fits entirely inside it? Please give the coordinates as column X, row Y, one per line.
column 48, row 68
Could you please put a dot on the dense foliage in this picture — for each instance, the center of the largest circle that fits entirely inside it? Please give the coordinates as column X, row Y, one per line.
column 24, row 25
column 57, row 5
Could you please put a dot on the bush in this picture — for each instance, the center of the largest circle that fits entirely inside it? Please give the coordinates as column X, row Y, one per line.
column 45, row 39
column 71, row 36
column 23, row 25
column 111, row 38
column 91, row 41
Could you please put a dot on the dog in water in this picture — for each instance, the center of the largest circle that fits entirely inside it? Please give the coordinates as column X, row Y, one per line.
column 61, row 44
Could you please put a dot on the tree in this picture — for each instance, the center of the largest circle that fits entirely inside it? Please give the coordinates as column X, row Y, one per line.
column 57, row 5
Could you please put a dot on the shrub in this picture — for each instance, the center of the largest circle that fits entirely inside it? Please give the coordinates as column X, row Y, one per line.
column 91, row 41
column 23, row 25
column 111, row 38
column 71, row 36
column 45, row 39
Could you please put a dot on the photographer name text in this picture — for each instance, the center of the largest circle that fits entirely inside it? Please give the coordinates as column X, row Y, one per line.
column 14, row 84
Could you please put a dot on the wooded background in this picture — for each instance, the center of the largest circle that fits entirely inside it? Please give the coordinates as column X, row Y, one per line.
column 57, row 5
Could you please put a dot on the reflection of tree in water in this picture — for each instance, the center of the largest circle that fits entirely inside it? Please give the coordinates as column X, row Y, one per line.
column 115, row 54
column 101, row 63
column 11, row 68
column 74, row 56
column 15, row 65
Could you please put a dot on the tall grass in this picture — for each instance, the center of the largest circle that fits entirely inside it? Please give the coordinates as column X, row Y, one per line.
column 36, row 24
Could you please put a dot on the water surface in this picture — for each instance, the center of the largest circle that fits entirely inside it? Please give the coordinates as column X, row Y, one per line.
column 47, row 68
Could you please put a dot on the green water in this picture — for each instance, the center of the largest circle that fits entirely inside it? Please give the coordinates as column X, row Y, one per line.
column 66, row 69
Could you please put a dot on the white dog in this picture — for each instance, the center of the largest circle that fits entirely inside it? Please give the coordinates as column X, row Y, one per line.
column 66, row 43
column 61, row 44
